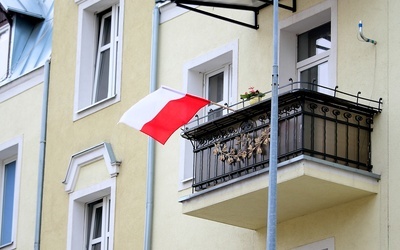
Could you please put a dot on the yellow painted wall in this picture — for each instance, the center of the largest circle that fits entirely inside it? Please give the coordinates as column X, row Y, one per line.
column 361, row 224
column 361, row 67
column 393, row 133
column 21, row 118
column 66, row 137
column 353, row 225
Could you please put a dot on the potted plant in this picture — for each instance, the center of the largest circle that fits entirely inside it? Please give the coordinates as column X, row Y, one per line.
column 254, row 95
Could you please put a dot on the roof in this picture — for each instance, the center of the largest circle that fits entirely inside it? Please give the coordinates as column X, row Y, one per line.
column 32, row 37
column 26, row 7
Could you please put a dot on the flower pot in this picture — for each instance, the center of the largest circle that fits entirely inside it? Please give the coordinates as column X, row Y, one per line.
column 255, row 100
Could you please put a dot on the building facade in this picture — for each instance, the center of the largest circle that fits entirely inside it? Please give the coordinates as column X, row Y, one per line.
column 25, row 50
column 336, row 160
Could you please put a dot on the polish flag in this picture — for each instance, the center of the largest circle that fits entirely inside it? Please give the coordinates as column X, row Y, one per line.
column 162, row 112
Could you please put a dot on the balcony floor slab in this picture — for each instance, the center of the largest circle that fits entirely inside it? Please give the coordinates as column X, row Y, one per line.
column 305, row 185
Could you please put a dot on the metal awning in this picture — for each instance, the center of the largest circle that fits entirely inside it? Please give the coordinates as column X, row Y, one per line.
column 246, row 5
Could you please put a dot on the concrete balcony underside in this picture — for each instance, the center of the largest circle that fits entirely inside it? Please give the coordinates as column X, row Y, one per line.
column 305, row 185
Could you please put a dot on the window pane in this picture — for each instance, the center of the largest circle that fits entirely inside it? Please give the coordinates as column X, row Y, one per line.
column 216, row 87
column 8, row 203
column 108, row 215
column 213, row 114
column 115, row 62
column 96, row 246
column 106, row 31
column 317, row 74
column 117, row 20
column 313, row 42
column 97, row 223
column 102, row 80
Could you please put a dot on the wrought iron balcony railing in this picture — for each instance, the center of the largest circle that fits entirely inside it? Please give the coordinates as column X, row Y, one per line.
column 310, row 123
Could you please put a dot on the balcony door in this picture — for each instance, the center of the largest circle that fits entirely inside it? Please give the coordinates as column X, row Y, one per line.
column 217, row 90
column 313, row 50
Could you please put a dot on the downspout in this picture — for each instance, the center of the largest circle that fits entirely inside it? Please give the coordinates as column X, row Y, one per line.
column 42, row 152
column 148, row 233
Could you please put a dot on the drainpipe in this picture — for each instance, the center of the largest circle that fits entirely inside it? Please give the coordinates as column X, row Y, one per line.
column 148, row 233
column 42, row 152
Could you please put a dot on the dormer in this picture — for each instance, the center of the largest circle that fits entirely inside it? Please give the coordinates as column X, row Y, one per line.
column 25, row 37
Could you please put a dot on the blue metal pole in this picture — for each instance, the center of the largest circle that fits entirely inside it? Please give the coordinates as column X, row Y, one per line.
column 273, row 158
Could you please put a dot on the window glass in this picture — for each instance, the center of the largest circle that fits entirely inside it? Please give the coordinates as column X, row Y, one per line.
column 314, row 42
column 106, row 30
column 102, row 80
column 216, row 87
column 316, row 74
column 104, row 72
column 97, row 219
column 8, row 203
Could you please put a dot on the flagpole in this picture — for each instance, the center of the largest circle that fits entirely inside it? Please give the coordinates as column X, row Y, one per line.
column 222, row 106
column 273, row 159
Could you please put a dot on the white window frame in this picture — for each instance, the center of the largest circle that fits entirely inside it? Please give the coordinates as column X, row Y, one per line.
column 326, row 244
column 78, row 199
column 5, row 30
column 12, row 151
column 78, row 212
column 313, row 61
column 112, row 45
column 87, row 47
column 299, row 23
column 104, row 238
column 2, row 181
column 193, row 77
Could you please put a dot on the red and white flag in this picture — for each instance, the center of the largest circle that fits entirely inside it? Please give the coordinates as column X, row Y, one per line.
column 162, row 112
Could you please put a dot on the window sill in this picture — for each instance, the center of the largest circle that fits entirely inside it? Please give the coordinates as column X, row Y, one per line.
column 93, row 108
column 7, row 245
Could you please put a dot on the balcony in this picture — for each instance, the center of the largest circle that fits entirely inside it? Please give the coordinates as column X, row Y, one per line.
column 324, row 155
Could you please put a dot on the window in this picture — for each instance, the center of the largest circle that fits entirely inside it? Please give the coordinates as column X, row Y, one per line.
column 9, row 191
column 91, row 217
column 7, row 206
column 91, row 185
column 308, row 47
column 4, row 50
column 98, row 72
column 98, row 224
column 108, row 41
column 213, row 76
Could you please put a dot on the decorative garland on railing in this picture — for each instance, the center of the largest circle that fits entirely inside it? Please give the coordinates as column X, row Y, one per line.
column 246, row 146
